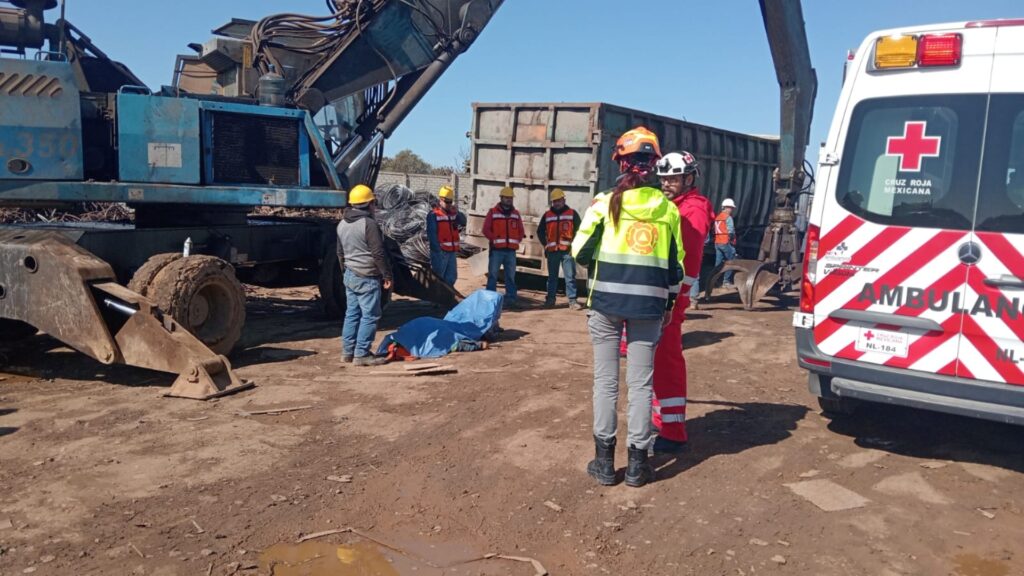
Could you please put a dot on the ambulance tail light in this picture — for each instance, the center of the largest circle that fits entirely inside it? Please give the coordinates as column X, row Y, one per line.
column 939, row 50
column 810, row 267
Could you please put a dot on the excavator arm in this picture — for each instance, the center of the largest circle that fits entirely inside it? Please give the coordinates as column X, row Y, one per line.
column 778, row 260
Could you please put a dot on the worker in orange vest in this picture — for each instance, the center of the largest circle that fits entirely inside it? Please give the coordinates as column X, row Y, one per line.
column 503, row 227
column 555, row 232
column 443, row 225
column 725, row 239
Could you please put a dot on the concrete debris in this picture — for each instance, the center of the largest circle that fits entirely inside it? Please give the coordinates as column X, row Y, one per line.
column 552, row 505
column 828, row 495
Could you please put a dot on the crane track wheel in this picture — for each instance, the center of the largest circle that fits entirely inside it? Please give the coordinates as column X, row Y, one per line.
column 200, row 292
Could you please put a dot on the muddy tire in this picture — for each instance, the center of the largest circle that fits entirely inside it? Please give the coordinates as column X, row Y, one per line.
column 15, row 330
column 332, row 289
column 143, row 277
column 202, row 294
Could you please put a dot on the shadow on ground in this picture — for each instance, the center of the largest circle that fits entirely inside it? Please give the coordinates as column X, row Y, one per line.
column 699, row 338
column 933, row 435
column 736, row 427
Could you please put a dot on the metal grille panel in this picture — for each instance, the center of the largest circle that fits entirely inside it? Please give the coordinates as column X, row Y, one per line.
column 255, row 150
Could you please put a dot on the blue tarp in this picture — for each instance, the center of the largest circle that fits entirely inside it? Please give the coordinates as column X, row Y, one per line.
column 432, row 337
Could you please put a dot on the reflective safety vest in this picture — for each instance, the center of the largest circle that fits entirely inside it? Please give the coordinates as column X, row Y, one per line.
column 559, row 230
column 447, row 232
column 722, row 229
column 635, row 265
column 506, row 230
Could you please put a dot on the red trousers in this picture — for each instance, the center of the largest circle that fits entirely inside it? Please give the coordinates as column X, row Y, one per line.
column 670, row 377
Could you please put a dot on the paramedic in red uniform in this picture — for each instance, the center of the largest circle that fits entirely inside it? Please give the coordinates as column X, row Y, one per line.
column 678, row 172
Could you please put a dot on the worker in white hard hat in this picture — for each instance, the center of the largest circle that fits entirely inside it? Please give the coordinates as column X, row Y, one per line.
column 444, row 223
column 725, row 238
column 555, row 233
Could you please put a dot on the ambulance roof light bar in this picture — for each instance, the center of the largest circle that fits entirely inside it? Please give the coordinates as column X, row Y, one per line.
column 928, row 50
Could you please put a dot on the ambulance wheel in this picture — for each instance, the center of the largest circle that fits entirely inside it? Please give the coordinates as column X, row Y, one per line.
column 837, row 407
column 202, row 294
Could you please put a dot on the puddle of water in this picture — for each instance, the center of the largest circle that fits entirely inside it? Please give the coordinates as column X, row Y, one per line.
column 324, row 559
column 973, row 565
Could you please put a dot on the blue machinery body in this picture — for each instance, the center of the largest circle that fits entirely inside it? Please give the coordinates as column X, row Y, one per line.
column 235, row 130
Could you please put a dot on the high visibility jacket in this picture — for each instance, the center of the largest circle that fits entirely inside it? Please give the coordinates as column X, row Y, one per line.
column 505, row 231
column 447, row 230
column 636, row 265
column 559, row 229
column 722, row 234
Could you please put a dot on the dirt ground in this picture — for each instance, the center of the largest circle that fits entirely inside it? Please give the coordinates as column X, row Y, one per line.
column 100, row 474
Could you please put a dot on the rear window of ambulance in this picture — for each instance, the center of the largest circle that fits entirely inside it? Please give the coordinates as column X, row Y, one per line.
column 1001, row 195
column 913, row 161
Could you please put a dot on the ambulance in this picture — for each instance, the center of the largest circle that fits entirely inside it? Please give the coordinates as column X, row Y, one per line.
column 913, row 273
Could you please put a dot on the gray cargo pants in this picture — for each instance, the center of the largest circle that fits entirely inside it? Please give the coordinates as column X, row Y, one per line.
column 642, row 338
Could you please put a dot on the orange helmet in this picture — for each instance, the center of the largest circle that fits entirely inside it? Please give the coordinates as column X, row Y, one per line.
column 639, row 140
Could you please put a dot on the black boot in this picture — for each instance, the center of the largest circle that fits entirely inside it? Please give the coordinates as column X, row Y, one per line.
column 602, row 467
column 639, row 471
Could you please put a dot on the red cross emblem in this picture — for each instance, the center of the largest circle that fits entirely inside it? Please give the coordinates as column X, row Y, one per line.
column 913, row 146
column 869, row 335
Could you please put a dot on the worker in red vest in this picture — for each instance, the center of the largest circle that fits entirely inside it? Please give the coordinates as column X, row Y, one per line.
column 725, row 239
column 555, row 232
column 678, row 172
column 443, row 225
column 503, row 227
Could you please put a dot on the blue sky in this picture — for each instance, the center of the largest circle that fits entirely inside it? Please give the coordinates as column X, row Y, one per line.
column 707, row 62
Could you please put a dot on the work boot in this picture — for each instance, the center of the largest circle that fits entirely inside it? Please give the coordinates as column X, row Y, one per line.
column 347, row 358
column 370, row 360
column 549, row 303
column 664, row 445
column 638, row 471
column 574, row 305
column 602, row 467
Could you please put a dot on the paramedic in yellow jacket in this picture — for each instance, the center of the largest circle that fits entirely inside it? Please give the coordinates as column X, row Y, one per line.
column 630, row 240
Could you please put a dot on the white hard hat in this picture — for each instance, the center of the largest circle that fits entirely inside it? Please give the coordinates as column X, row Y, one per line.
column 728, row 203
column 678, row 163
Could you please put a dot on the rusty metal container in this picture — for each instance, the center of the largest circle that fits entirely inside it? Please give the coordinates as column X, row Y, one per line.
column 535, row 147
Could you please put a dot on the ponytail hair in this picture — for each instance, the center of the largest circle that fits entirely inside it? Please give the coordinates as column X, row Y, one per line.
column 628, row 181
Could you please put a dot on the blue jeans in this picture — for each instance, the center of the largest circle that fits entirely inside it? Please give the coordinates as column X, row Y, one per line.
column 361, row 315
column 444, row 265
column 564, row 261
column 495, row 260
column 724, row 253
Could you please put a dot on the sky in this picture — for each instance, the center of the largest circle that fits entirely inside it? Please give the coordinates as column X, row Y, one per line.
column 706, row 62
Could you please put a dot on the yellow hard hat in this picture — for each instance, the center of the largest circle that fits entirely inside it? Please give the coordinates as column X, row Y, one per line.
column 507, row 192
column 360, row 194
column 557, row 194
column 446, row 192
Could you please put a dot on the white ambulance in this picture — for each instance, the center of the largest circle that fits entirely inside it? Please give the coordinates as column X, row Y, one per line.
column 913, row 287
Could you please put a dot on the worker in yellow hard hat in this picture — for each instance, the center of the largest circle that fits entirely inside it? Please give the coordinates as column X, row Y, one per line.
column 366, row 271
column 555, row 232
column 503, row 227
column 444, row 223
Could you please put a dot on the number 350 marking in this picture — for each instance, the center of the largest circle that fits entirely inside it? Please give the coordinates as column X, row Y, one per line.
column 40, row 145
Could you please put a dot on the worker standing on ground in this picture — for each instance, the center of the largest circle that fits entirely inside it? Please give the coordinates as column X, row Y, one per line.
column 366, row 269
column 725, row 239
column 555, row 233
column 630, row 239
column 678, row 172
column 503, row 227
column 444, row 223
